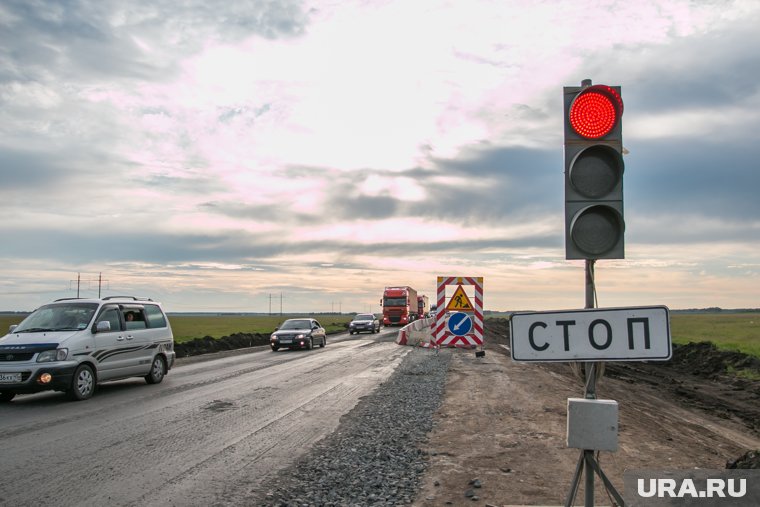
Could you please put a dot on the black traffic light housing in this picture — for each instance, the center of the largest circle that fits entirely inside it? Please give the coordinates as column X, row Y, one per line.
column 594, row 224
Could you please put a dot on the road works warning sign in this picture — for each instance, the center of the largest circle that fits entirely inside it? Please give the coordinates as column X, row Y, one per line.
column 463, row 326
column 459, row 301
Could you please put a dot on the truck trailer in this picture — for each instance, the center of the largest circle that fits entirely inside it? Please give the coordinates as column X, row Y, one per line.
column 423, row 307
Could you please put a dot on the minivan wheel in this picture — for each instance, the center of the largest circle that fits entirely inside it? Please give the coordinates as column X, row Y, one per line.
column 82, row 383
column 157, row 371
column 6, row 396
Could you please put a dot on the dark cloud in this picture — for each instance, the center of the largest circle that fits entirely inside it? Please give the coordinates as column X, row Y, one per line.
column 80, row 41
column 492, row 184
column 702, row 177
column 720, row 67
column 23, row 170
column 111, row 245
column 63, row 170
column 497, row 185
column 104, row 245
column 354, row 206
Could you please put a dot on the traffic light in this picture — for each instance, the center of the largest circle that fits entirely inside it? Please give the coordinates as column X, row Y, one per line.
column 594, row 225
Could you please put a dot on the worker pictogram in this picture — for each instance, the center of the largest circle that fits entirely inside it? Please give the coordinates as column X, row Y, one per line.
column 459, row 301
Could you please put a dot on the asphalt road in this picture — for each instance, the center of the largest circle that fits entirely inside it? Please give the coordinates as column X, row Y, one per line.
column 212, row 432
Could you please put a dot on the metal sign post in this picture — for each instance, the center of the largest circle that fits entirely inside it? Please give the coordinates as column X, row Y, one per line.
column 587, row 460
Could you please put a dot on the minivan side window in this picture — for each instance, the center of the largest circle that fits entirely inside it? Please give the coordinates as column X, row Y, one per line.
column 134, row 318
column 155, row 316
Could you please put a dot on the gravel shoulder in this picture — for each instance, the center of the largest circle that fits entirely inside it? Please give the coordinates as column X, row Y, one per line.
column 374, row 457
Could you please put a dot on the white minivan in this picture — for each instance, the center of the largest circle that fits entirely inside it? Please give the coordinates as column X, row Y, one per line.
column 73, row 344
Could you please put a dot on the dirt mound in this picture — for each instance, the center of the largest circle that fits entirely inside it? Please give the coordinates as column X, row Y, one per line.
column 704, row 359
column 209, row 344
column 750, row 459
column 496, row 331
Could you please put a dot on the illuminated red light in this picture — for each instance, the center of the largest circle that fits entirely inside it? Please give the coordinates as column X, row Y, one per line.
column 595, row 111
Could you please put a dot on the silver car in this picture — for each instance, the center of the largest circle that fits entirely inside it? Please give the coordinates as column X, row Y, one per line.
column 366, row 322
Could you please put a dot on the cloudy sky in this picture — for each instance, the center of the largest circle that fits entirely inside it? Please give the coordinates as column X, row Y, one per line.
column 220, row 155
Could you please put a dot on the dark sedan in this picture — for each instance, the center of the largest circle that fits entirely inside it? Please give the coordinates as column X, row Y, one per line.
column 364, row 322
column 298, row 334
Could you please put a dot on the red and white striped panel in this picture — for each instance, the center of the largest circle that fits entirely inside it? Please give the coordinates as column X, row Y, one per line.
column 441, row 334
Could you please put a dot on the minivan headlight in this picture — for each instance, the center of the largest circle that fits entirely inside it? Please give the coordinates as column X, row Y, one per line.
column 47, row 356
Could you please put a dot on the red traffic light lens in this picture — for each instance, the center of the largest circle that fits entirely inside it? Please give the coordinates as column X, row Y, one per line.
column 595, row 111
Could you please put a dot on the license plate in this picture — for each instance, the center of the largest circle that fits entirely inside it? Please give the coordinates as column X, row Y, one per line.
column 286, row 340
column 7, row 378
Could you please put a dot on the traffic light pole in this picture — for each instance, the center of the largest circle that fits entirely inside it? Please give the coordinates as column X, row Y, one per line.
column 590, row 287
column 587, row 455
column 587, row 462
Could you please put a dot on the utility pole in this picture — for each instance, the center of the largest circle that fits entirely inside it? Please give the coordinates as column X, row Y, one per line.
column 90, row 283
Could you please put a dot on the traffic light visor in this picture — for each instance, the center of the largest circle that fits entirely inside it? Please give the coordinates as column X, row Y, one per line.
column 595, row 111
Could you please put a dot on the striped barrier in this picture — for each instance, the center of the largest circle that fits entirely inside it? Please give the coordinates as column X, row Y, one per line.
column 442, row 335
column 417, row 333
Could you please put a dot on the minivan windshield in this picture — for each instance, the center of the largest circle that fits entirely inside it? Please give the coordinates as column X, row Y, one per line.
column 58, row 317
column 296, row 324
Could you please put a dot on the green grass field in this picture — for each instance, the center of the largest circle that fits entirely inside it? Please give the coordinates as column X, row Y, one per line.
column 729, row 331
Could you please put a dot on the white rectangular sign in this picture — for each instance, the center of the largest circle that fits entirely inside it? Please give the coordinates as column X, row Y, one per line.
column 598, row 334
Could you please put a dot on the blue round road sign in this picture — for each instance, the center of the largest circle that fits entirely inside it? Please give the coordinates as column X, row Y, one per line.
column 460, row 324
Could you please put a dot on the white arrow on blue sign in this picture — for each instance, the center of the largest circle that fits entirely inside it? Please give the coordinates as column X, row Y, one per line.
column 460, row 324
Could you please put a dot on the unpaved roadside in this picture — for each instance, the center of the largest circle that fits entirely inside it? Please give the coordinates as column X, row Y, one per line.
column 503, row 423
